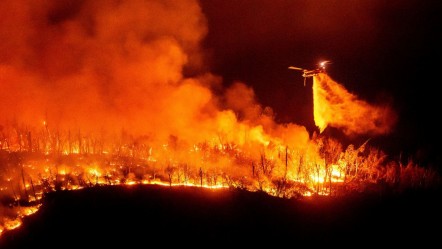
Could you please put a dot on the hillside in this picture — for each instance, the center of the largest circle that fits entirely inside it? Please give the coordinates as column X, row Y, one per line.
column 143, row 216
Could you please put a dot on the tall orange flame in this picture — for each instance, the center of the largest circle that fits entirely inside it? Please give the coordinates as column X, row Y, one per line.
column 116, row 109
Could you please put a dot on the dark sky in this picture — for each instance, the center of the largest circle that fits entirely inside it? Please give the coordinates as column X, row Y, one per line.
column 382, row 51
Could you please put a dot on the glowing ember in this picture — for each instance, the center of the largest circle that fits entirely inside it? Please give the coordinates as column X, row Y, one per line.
column 116, row 109
column 25, row 211
column 11, row 224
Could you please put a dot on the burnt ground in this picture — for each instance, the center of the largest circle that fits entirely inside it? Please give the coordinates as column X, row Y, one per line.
column 152, row 216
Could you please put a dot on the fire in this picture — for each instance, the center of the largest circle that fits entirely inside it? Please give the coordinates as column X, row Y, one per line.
column 12, row 224
column 323, row 167
column 26, row 211
column 335, row 106
column 118, row 110
column 336, row 175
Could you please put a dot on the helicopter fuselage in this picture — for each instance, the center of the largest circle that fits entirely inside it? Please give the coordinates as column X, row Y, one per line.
column 311, row 73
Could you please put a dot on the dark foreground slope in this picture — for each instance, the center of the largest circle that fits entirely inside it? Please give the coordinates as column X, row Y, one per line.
column 143, row 216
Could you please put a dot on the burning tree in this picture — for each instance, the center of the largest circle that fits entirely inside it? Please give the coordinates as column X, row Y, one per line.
column 324, row 167
column 116, row 109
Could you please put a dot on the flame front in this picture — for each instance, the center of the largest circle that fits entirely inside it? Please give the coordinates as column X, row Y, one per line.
column 116, row 109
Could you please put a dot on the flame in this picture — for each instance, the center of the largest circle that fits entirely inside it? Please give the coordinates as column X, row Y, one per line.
column 335, row 106
column 12, row 224
column 26, row 211
column 317, row 169
column 335, row 174
column 118, row 110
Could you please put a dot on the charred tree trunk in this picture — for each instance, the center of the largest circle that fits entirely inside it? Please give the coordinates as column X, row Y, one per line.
column 263, row 165
column 170, row 179
column 318, row 169
column 201, row 177
column 24, row 183
column 300, row 166
column 286, row 163
column 330, row 181
column 253, row 169
column 33, row 190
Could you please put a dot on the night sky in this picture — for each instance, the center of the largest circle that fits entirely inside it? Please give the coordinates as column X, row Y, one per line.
column 176, row 73
column 382, row 51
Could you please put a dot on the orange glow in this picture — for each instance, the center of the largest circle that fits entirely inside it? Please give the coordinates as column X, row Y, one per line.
column 12, row 224
column 334, row 106
column 117, row 109
column 25, row 211
column 318, row 168
column 336, row 175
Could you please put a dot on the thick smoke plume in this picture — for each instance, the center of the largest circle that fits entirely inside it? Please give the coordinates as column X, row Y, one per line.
column 111, row 66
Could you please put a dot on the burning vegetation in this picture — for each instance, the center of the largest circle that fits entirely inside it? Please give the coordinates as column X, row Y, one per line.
column 116, row 109
column 39, row 161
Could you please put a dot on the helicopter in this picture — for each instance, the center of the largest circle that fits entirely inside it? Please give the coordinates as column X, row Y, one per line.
column 310, row 73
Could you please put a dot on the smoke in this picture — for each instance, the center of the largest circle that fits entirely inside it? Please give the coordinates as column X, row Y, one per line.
column 335, row 106
column 100, row 64
column 112, row 66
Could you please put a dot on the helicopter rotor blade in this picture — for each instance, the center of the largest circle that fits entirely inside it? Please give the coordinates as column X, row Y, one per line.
column 296, row 68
